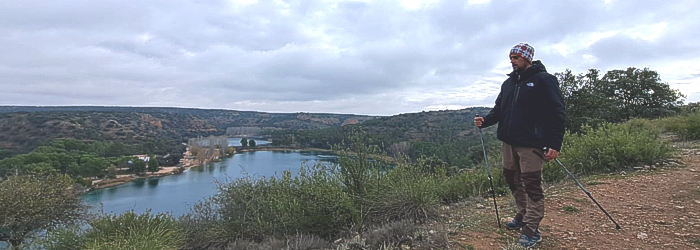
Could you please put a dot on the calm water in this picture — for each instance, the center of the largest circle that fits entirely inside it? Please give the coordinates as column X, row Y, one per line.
column 176, row 193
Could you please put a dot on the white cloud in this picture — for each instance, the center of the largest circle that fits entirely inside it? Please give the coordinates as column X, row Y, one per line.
column 478, row 1
column 341, row 56
column 647, row 32
column 416, row 4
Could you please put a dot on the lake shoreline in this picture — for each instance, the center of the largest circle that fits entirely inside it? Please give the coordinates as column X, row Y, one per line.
column 187, row 163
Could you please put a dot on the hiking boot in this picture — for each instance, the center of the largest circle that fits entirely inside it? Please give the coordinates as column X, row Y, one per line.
column 514, row 225
column 529, row 242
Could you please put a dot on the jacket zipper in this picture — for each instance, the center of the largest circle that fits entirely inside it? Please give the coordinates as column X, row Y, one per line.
column 512, row 103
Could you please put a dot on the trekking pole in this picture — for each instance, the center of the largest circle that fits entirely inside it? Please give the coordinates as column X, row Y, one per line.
column 617, row 226
column 488, row 170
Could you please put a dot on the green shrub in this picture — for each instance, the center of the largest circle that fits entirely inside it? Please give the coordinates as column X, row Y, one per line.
column 134, row 231
column 610, row 147
column 65, row 239
column 687, row 127
column 295, row 242
column 471, row 183
column 405, row 193
column 312, row 202
column 474, row 182
column 125, row 231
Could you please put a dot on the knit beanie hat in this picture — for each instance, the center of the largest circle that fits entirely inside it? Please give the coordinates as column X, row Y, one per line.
column 523, row 50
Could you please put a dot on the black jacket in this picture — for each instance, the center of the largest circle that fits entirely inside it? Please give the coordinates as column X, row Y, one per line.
column 529, row 110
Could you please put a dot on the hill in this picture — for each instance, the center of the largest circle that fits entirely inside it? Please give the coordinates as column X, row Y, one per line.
column 449, row 135
column 24, row 128
column 217, row 118
column 431, row 126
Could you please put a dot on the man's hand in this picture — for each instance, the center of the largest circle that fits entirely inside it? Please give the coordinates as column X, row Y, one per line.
column 551, row 154
column 478, row 120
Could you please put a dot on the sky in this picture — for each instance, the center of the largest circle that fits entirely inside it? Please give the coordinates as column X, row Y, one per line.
column 325, row 56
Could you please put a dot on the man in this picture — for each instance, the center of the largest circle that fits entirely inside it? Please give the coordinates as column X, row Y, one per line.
column 530, row 114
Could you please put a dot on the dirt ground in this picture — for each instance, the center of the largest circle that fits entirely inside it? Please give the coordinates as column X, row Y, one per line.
column 657, row 209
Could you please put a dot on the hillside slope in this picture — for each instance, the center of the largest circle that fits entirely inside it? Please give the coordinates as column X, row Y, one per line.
column 24, row 128
column 657, row 209
column 438, row 127
column 218, row 118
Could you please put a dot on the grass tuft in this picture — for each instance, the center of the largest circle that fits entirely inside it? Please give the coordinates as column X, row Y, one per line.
column 570, row 209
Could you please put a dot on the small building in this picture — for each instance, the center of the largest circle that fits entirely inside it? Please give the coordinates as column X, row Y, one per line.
column 144, row 158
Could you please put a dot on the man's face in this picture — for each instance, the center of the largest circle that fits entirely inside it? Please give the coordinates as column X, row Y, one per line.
column 519, row 63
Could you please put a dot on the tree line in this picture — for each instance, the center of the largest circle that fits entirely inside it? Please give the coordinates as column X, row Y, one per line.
column 80, row 159
column 616, row 96
column 590, row 98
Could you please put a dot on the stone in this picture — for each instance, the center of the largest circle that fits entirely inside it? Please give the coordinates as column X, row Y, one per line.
column 642, row 235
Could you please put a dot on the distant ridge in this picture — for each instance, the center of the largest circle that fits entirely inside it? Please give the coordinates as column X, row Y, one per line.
column 13, row 109
column 23, row 128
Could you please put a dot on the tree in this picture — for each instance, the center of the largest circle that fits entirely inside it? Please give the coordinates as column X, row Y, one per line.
column 138, row 166
column 30, row 204
column 251, row 143
column 244, row 142
column 111, row 172
column 584, row 105
column 617, row 96
column 641, row 94
column 91, row 165
column 153, row 165
column 399, row 150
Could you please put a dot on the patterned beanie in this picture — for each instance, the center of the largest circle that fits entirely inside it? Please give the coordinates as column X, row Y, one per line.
column 523, row 50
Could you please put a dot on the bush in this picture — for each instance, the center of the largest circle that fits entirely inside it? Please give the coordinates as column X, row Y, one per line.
column 405, row 193
column 474, row 182
column 471, row 183
column 125, row 231
column 313, row 202
column 390, row 234
column 611, row 147
column 687, row 127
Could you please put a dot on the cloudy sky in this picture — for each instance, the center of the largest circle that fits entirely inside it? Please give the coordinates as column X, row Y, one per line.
column 335, row 56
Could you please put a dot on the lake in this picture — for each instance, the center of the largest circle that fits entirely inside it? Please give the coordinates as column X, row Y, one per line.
column 176, row 193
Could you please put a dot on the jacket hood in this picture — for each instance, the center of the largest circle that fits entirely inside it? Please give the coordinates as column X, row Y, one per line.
column 535, row 68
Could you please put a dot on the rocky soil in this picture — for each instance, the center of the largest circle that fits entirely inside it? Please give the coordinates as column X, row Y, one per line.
column 657, row 208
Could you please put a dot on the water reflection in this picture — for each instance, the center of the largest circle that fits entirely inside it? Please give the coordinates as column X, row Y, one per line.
column 139, row 182
column 153, row 182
